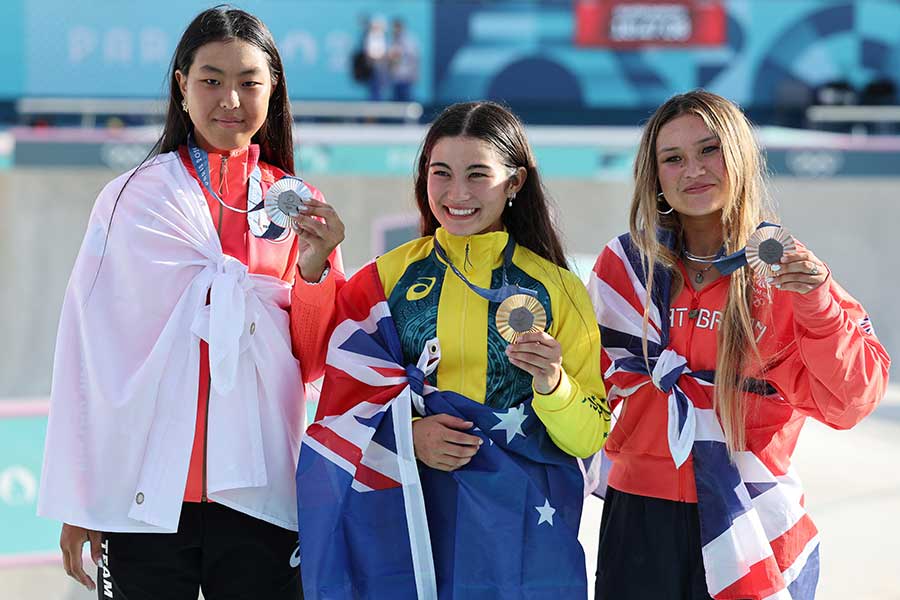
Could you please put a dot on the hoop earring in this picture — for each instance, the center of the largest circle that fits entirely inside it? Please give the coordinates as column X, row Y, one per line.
column 660, row 198
column 184, row 105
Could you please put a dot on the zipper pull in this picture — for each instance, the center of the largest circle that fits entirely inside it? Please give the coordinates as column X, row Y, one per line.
column 223, row 176
column 467, row 262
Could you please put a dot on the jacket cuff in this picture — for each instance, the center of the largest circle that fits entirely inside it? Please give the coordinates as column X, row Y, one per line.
column 817, row 312
column 315, row 293
column 559, row 398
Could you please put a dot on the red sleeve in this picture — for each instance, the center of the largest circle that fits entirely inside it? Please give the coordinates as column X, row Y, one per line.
column 835, row 370
column 313, row 318
column 313, row 313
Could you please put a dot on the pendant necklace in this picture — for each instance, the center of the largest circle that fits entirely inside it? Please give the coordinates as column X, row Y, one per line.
column 698, row 277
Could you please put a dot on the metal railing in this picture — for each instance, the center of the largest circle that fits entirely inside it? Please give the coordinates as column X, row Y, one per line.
column 90, row 108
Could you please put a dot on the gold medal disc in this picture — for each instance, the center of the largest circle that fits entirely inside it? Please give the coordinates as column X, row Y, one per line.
column 766, row 247
column 520, row 314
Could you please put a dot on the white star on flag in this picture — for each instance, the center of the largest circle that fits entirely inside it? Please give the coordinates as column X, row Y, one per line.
column 481, row 433
column 511, row 422
column 546, row 511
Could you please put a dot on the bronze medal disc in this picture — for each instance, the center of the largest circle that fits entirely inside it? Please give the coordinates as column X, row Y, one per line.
column 766, row 247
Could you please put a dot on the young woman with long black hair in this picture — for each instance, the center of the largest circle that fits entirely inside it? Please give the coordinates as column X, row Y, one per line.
column 489, row 255
column 177, row 405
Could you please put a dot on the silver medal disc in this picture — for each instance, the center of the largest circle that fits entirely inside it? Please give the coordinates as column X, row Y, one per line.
column 284, row 199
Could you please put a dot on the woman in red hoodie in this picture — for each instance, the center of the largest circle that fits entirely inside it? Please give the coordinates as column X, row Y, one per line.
column 713, row 367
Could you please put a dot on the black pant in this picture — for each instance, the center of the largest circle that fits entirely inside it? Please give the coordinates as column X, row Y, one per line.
column 228, row 554
column 649, row 550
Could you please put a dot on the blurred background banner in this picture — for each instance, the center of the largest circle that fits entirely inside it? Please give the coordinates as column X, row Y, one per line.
column 25, row 537
column 556, row 55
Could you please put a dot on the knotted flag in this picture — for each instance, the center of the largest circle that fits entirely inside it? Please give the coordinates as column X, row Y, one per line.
column 375, row 524
column 757, row 539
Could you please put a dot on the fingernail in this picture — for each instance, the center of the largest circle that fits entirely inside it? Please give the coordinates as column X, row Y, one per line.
column 776, row 268
column 302, row 208
column 480, row 441
column 770, row 279
column 778, row 285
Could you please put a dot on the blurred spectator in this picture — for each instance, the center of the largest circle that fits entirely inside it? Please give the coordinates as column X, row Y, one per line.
column 375, row 46
column 836, row 93
column 403, row 56
column 361, row 69
column 879, row 92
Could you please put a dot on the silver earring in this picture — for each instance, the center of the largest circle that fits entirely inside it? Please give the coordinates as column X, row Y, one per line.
column 184, row 105
column 660, row 198
column 509, row 200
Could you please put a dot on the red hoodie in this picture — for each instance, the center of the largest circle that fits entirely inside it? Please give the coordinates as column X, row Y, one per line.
column 820, row 355
column 229, row 176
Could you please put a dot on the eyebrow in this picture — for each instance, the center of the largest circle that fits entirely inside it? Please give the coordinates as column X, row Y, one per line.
column 469, row 168
column 212, row 69
column 698, row 142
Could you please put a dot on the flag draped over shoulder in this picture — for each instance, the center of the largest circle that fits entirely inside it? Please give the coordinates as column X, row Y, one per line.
column 757, row 539
column 373, row 525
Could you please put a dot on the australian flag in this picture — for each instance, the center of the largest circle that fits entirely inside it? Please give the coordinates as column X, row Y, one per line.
column 375, row 524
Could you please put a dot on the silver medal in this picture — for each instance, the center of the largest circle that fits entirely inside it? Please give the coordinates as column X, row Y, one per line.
column 284, row 198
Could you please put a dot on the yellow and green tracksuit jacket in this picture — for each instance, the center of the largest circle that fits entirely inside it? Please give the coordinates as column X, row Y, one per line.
column 427, row 299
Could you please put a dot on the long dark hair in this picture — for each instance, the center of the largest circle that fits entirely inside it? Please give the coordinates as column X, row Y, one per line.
column 275, row 138
column 528, row 220
column 221, row 24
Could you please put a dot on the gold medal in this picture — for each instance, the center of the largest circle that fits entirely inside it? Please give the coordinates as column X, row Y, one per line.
column 766, row 247
column 520, row 314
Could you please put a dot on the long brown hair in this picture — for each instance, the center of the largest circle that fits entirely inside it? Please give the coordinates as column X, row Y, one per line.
column 528, row 221
column 748, row 204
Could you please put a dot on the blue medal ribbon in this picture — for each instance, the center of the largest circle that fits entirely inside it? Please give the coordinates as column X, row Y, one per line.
column 731, row 263
column 200, row 160
column 491, row 295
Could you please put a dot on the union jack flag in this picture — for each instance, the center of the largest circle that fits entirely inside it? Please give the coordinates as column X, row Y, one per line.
column 866, row 325
column 374, row 524
column 757, row 539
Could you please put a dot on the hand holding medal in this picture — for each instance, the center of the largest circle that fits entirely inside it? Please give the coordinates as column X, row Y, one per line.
column 798, row 271
column 778, row 258
column 290, row 202
column 540, row 355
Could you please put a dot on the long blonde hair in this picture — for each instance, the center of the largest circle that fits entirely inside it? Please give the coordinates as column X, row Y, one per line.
column 748, row 204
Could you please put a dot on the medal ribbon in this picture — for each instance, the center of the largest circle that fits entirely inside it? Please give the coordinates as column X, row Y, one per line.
column 200, row 160
column 731, row 263
column 491, row 295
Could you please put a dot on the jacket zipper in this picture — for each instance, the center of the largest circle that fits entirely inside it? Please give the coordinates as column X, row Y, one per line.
column 203, row 496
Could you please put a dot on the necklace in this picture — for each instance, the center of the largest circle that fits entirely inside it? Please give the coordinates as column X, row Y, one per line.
column 698, row 273
column 698, row 277
column 696, row 258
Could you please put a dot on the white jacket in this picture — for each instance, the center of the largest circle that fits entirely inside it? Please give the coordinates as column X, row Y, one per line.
column 125, row 380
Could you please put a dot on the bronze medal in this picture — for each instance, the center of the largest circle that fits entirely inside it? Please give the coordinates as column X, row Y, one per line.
column 766, row 247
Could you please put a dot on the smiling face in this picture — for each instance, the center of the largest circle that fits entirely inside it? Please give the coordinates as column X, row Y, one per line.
column 227, row 90
column 691, row 167
column 468, row 185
